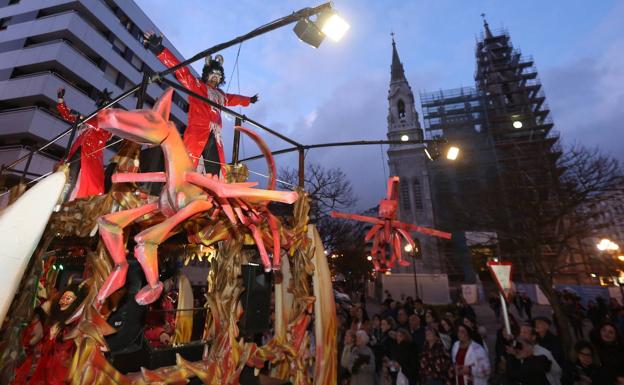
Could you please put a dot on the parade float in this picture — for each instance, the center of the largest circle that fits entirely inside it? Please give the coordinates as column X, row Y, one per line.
column 89, row 327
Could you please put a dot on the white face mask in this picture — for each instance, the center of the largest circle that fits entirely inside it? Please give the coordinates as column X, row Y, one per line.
column 214, row 78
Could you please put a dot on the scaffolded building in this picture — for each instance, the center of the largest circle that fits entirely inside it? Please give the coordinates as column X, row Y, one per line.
column 510, row 150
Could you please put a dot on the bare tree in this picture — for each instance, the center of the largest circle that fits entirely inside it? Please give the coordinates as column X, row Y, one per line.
column 543, row 224
column 330, row 189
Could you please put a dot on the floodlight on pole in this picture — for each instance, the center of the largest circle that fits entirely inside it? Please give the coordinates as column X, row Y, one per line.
column 452, row 153
column 517, row 124
column 327, row 24
column 606, row 244
column 408, row 248
column 404, row 138
column 369, row 258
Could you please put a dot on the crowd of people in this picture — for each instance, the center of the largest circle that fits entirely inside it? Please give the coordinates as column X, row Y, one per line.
column 409, row 343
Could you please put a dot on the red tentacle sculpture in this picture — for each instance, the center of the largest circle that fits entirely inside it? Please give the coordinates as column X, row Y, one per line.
column 185, row 194
column 387, row 231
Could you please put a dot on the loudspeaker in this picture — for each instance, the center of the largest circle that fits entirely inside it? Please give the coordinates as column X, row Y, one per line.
column 256, row 300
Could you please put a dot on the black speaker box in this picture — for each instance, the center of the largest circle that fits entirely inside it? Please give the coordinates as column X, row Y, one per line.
column 256, row 300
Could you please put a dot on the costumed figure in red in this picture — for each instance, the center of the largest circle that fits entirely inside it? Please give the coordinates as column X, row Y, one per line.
column 55, row 352
column 91, row 141
column 204, row 121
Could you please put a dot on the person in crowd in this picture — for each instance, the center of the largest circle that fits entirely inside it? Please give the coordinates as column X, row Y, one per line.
column 409, row 305
column 573, row 309
column 593, row 313
column 386, row 343
column 406, row 355
column 464, row 310
column 495, row 305
column 527, row 305
column 582, row 369
column 547, row 339
column 402, row 320
column 416, row 331
column 419, row 308
column 478, row 333
column 435, row 361
column 431, row 318
column 375, row 329
column 447, row 333
column 523, row 366
column 614, row 307
column 554, row 374
column 502, row 341
column 609, row 349
column 344, row 373
column 361, row 361
column 470, row 360
column 388, row 299
column 515, row 299
column 360, row 318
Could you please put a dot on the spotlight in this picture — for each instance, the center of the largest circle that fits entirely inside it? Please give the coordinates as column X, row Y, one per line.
column 369, row 258
column 404, row 138
column 332, row 25
column 621, row 258
column 452, row 153
column 408, row 248
column 593, row 275
column 517, row 124
column 328, row 23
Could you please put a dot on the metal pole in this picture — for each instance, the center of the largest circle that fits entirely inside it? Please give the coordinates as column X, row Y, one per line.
column 345, row 144
column 296, row 16
column 505, row 314
column 302, row 167
column 236, row 143
column 76, row 123
column 415, row 278
column 25, row 171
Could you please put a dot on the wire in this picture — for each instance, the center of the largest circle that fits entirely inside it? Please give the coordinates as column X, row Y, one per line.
column 383, row 163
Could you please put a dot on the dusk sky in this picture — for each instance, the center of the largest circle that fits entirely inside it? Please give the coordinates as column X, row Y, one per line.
column 338, row 92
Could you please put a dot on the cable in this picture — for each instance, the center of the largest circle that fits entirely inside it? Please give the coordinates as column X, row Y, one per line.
column 383, row 163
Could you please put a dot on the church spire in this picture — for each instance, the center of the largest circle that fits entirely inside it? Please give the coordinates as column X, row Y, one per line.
column 396, row 70
column 486, row 26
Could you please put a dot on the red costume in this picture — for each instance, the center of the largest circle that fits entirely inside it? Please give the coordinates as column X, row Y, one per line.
column 91, row 140
column 202, row 118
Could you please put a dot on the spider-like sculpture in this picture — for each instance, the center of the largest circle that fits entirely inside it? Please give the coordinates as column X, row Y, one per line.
column 387, row 230
column 186, row 194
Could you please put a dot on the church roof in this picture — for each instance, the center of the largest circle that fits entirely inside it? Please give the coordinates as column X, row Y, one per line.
column 396, row 70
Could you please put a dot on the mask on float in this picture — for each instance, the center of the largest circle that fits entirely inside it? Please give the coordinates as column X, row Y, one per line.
column 213, row 73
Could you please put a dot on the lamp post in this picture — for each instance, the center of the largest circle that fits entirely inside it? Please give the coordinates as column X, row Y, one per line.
column 409, row 249
column 610, row 248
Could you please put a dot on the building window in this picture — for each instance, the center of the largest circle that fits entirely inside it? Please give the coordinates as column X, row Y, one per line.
column 405, row 198
column 401, row 109
column 418, row 203
column 4, row 22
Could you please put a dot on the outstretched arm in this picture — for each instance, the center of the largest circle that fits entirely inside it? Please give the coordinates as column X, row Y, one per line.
column 62, row 108
column 239, row 100
column 153, row 42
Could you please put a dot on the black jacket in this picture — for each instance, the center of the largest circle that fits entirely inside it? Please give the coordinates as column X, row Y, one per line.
column 530, row 371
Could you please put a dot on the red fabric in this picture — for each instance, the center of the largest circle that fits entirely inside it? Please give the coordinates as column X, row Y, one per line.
column 22, row 372
column 202, row 116
column 459, row 361
column 91, row 141
column 53, row 365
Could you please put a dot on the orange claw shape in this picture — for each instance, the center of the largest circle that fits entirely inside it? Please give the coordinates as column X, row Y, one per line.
column 185, row 194
column 387, row 232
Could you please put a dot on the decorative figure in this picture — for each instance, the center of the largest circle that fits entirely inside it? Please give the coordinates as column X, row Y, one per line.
column 186, row 193
column 204, row 121
column 387, row 231
column 91, row 141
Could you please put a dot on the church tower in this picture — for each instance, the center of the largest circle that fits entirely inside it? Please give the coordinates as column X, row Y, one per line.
column 410, row 164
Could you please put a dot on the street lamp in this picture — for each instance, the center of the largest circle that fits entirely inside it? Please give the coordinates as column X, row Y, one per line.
column 404, row 138
column 327, row 24
column 408, row 248
column 434, row 152
column 606, row 244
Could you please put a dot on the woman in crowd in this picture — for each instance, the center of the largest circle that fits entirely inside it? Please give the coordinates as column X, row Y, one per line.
column 447, row 333
column 582, row 369
column 405, row 354
column 610, row 350
column 361, row 361
column 435, row 361
column 470, row 360
column 360, row 319
column 344, row 373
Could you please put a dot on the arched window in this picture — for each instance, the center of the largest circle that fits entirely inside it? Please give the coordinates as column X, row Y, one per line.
column 405, row 197
column 401, row 109
column 418, row 203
